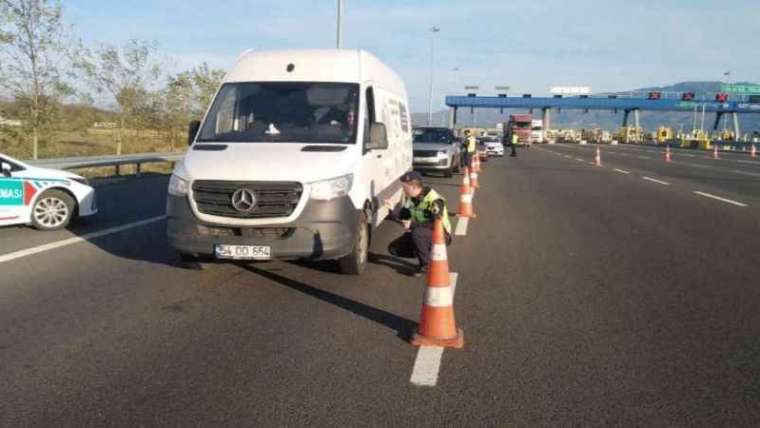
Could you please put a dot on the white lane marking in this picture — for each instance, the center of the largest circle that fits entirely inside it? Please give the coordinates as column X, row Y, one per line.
column 718, row 198
column 63, row 243
column 691, row 156
column 749, row 162
column 428, row 362
column 643, row 157
column 751, row 174
column 580, row 160
column 622, row 171
column 461, row 229
column 654, row 180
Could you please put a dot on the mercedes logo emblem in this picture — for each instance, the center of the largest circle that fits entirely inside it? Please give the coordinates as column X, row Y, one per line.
column 244, row 200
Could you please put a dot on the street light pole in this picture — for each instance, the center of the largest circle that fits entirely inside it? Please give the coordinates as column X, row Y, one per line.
column 339, row 36
column 433, row 30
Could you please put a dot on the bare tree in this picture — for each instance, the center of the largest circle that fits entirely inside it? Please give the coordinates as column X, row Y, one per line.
column 126, row 74
column 34, row 52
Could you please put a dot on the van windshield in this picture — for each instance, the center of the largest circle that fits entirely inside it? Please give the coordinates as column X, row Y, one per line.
column 283, row 112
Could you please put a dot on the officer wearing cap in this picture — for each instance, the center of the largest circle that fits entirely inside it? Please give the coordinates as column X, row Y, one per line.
column 420, row 207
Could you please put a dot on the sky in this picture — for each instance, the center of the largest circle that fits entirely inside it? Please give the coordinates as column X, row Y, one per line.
column 529, row 45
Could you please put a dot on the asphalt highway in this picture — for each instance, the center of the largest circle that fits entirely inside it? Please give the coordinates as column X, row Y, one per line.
column 588, row 297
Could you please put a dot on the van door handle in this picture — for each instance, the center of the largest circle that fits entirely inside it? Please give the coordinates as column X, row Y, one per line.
column 379, row 156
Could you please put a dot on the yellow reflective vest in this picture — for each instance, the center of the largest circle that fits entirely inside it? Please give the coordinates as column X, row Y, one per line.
column 421, row 214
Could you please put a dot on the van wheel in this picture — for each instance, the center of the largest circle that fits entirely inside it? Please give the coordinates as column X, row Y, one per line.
column 356, row 262
column 53, row 210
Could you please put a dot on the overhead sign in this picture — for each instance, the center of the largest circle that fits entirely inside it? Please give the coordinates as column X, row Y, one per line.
column 741, row 89
column 570, row 90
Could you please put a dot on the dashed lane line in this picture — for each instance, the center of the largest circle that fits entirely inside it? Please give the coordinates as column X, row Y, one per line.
column 461, row 229
column 70, row 241
column 718, row 198
column 654, row 180
column 622, row 171
column 428, row 362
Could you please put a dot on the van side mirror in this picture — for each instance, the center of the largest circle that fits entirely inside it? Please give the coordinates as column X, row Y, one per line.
column 6, row 167
column 378, row 137
column 192, row 131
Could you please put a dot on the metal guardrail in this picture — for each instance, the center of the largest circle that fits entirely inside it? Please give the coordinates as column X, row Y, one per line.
column 108, row 160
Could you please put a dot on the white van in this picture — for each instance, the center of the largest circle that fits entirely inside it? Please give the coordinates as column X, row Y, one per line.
column 293, row 160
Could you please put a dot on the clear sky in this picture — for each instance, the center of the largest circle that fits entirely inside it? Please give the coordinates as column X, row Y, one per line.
column 529, row 45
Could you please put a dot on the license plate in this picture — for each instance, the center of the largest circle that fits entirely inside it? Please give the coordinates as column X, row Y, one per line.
column 243, row 252
column 425, row 160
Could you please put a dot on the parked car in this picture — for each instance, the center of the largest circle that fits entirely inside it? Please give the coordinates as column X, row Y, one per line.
column 494, row 147
column 291, row 160
column 436, row 149
column 47, row 199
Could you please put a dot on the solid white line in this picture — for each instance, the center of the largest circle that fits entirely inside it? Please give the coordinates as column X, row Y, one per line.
column 63, row 243
column 461, row 229
column 749, row 162
column 751, row 174
column 718, row 198
column 428, row 362
column 654, row 180
column 622, row 171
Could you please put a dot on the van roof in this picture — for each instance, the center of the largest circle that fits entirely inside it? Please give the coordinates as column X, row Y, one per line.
column 314, row 65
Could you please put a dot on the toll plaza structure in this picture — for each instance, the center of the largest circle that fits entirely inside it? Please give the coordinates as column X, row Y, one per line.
column 720, row 104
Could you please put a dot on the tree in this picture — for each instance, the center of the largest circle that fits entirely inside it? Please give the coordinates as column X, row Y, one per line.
column 125, row 74
column 35, row 49
column 188, row 95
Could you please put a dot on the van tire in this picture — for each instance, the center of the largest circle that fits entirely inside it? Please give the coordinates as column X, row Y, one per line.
column 53, row 210
column 356, row 261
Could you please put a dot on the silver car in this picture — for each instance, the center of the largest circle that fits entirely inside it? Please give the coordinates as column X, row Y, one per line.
column 436, row 149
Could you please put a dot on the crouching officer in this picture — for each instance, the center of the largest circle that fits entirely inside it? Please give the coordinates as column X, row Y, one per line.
column 420, row 207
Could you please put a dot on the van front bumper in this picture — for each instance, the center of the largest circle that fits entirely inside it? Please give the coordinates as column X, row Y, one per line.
column 324, row 230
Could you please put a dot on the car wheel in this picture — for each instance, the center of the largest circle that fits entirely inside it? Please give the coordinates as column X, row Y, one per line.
column 356, row 261
column 53, row 210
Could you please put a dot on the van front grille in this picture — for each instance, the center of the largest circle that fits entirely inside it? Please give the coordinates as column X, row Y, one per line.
column 273, row 198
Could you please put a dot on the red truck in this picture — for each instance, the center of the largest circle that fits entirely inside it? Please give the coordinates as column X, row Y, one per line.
column 520, row 124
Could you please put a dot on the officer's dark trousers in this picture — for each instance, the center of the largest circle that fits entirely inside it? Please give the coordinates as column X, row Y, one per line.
column 416, row 243
column 467, row 159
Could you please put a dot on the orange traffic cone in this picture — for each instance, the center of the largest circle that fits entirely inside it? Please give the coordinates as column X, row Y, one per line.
column 598, row 157
column 474, row 180
column 667, row 155
column 753, row 151
column 437, row 326
column 476, row 163
column 715, row 152
column 465, row 197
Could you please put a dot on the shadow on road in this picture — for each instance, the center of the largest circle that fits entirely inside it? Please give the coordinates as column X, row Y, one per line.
column 403, row 327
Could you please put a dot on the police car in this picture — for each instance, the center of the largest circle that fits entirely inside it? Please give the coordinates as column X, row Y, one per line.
column 45, row 198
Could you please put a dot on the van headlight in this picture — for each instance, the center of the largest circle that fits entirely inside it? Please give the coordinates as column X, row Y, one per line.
column 332, row 188
column 178, row 186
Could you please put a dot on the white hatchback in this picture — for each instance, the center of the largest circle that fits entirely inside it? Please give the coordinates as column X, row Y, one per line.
column 44, row 198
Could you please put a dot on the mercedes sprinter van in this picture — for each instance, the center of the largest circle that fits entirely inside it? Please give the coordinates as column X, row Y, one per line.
column 293, row 160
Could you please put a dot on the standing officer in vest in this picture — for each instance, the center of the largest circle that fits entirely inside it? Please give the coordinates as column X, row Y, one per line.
column 470, row 147
column 421, row 206
column 514, row 143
